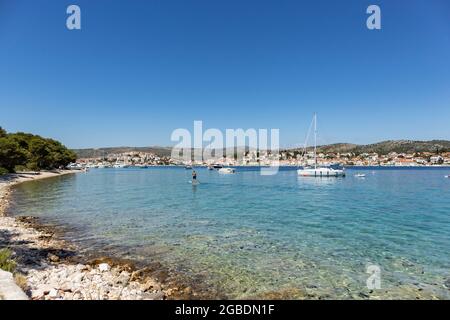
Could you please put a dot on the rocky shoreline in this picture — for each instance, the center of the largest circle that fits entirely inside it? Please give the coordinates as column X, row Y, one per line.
column 54, row 269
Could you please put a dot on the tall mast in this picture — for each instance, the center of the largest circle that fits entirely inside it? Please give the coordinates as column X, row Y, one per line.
column 315, row 140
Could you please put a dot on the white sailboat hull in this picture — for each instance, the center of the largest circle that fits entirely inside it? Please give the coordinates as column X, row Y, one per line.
column 321, row 172
column 318, row 171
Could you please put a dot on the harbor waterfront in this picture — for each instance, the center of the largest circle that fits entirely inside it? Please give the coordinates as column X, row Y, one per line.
column 253, row 236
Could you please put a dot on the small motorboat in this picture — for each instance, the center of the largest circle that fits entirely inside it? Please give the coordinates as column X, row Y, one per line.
column 226, row 171
column 360, row 175
column 447, row 176
column 321, row 172
column 188, row 167
column 75, row 166
column 119, row 165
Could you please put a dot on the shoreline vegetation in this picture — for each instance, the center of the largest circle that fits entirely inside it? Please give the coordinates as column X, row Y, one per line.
column 28, row 152
column 47, row 267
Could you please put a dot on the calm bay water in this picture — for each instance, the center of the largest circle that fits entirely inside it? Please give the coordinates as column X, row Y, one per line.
column 264, row 236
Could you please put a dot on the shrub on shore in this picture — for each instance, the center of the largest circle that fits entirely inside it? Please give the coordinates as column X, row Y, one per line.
column 9, row 265
column 21, row 281
column 28, row 151
column 11, row 153
column 6, row 263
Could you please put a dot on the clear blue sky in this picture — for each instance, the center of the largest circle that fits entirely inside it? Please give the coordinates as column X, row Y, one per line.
column 139, row 69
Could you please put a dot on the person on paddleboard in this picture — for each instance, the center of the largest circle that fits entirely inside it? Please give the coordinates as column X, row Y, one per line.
column 194, row 176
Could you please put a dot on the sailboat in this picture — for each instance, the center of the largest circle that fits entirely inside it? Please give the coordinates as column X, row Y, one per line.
column 317, row 171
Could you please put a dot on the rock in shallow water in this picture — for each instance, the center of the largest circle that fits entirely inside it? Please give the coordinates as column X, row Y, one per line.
column 53, row 257
column 447, row 283
column 151, row 285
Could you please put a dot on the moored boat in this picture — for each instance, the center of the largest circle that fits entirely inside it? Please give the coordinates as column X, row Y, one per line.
column 226, row 170
column 75, row 166
column 319, row 171
column 120, row 165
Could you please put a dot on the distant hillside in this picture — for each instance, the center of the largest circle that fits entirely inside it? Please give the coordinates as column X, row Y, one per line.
column 337, row 147
column 385, row 147
column 101, row 152
column 160, row 151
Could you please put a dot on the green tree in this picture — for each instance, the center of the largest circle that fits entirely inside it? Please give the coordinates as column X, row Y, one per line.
column 32, row 151
column 39, row 153
column 2, row 132
column 11, row 154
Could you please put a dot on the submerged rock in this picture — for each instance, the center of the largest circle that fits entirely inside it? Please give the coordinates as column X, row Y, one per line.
column 447, row 283
column 53, row 257
column 151, row 285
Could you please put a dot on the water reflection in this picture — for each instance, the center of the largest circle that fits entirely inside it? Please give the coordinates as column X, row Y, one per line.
column 318, row 181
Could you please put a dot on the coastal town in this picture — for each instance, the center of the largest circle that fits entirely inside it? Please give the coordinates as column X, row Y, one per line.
column 265, row 158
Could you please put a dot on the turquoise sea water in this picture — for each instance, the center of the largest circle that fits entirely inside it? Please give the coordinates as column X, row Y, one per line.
column 264, row 236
